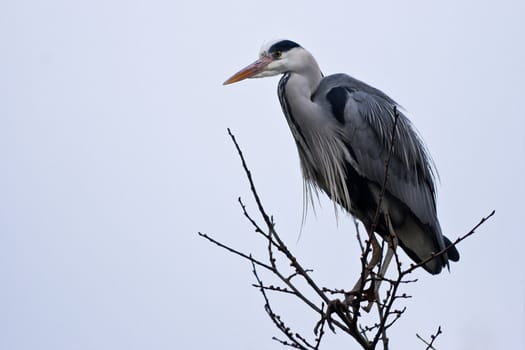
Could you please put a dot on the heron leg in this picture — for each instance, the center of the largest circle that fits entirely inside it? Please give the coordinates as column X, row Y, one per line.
column 376, row 251
column 374, row 261
column 377, row 281
column 392, row 246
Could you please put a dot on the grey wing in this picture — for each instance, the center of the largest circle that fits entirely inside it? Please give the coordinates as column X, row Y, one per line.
column 410, row 174
column 367, row 127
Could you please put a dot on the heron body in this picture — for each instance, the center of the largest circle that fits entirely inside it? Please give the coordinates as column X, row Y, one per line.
column 342, row 128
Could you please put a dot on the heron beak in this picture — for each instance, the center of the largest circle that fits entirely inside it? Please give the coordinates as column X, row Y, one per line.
column 250, row 71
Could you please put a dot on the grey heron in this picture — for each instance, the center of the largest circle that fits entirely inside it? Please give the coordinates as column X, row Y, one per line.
column 342, row 128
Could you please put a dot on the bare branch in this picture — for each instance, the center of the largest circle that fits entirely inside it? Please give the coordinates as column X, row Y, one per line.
column 387, row 167
column 299, row 282
column 296, row 342
column 235, row 251
column 250, row 180
column 274, row 289
column 432, row 338
column 456, row 242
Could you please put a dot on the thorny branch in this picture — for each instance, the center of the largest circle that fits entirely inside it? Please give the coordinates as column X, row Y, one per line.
column 299, row 282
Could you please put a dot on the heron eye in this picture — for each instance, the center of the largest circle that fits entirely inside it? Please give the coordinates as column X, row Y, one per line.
column 277, row 54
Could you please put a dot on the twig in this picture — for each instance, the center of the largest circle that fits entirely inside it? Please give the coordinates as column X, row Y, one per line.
column 432, row 338
column 453, row 244
column 274, row 317
column 274, row 289
column 270, row 225
column 387, row 167
column 358, row 235
column 250, row 179
column 235, row 251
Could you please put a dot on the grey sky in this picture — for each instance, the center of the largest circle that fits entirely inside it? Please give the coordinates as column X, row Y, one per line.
column 114, row 153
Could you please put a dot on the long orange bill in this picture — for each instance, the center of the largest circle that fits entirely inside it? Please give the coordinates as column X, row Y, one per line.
column 249, row 71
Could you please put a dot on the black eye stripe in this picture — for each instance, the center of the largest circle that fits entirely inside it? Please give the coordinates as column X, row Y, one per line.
column 283, row 46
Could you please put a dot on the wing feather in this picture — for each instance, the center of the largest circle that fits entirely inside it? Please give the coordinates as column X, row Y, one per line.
column 369, row 121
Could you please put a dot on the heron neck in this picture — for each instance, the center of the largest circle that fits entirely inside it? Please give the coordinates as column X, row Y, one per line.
column 307, row 80
column 301, row 86
column 296, row 89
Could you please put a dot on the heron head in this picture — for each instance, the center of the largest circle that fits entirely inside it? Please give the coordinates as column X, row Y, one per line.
column 275, row 57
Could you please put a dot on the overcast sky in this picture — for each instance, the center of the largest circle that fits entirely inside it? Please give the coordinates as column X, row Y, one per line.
column 114, row 153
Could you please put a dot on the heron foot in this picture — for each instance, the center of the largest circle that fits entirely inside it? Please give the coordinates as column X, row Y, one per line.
column 360, row 294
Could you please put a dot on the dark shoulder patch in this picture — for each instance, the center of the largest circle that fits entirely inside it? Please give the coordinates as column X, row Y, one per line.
column 338, row 97
column 283, row 46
